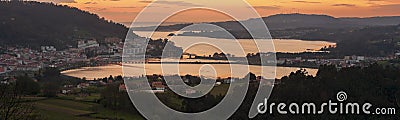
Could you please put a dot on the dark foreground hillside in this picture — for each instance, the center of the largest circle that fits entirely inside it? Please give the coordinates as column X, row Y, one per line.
column 34, row 24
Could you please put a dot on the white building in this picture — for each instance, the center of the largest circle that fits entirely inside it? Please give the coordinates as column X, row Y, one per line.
column 48, row 48
column 134, row 50
column 360, row 58
column 83, row 44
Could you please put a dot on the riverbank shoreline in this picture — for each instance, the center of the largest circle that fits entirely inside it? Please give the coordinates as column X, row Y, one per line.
column 222, row 70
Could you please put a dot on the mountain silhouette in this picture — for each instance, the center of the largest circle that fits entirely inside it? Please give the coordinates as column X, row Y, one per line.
column 293, row 21
column 34, row 24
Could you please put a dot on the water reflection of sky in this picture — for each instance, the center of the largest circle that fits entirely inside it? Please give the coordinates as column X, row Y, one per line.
column 248, row 45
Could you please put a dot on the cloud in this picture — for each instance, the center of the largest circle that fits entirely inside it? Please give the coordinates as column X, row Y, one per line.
column 267, row 7
column 90, row 3
column 390, row 7
column 145, row 1
column 300, row 1
column 115, row 0
column 177, row 3
column 344, row 5
column 96, row 9
column 58, row 1
column 125, row 7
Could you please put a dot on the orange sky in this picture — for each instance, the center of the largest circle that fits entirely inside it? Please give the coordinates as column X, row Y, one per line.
column 126, row 10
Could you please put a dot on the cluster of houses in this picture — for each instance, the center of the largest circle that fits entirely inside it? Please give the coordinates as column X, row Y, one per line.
column 73, row 88
column 347, row 61
column 14, row 59
column 158, row 83
column 136, row 48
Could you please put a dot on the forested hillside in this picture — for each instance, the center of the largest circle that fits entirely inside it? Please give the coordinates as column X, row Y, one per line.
column 33, row 24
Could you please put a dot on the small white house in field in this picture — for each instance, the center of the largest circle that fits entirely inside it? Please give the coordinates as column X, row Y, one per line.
column 218, row 83
column 190, row 91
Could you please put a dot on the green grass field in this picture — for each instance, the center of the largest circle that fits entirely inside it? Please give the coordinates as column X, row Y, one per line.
column 64, row 109
column 104, row 113
column 57, row 109
column 93, row 97
column 69, row 107
column 220, row 90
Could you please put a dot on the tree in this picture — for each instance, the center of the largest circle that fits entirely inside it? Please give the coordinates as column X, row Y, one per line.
column 27, row 86
column 13, row 106
column 111, row 78
column 251, row 76
column 49, row 71
column 50, row 89
column 119, row 78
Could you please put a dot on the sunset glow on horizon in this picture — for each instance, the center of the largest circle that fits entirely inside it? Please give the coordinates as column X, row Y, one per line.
column 126, row 10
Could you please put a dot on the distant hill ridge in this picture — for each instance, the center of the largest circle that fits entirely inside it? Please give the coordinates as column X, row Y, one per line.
column 292, row 21
column 325, row 21
column 34, row 24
